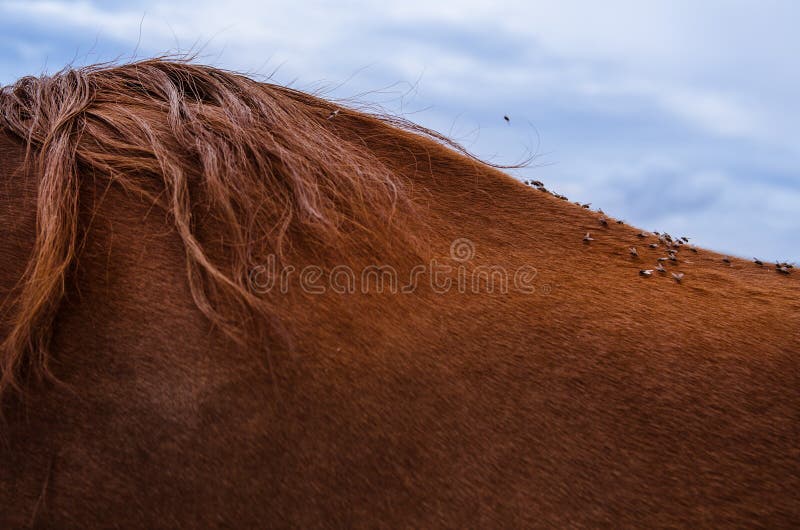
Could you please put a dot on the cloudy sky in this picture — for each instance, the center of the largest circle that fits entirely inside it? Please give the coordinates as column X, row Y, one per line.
column 680, row 116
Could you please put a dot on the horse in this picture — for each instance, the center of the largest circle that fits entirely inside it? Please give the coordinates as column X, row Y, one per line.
column 231, row 303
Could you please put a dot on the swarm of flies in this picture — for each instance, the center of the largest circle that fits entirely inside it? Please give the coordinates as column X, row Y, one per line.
column 672, row 245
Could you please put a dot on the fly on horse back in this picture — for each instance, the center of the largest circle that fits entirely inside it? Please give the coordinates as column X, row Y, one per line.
column 230, row 303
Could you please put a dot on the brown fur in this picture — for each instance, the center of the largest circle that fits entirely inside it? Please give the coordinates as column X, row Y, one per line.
column 151, row 191
column 261, row 159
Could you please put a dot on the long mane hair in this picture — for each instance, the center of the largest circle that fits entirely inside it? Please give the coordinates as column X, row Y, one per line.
column 262, row 161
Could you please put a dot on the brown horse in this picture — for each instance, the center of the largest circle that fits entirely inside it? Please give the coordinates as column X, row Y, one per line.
column 228, row 303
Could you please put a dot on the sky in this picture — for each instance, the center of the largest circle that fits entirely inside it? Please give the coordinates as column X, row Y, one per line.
column 677, row 116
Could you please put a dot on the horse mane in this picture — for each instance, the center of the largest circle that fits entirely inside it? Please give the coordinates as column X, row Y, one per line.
column 267, row 163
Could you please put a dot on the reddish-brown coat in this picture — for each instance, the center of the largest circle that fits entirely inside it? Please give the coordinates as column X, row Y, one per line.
column 604, row 398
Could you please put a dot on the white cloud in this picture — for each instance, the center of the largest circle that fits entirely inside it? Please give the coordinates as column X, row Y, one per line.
column 720, row 73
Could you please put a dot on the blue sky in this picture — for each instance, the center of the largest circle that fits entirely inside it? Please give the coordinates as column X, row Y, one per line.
column 677, row 116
